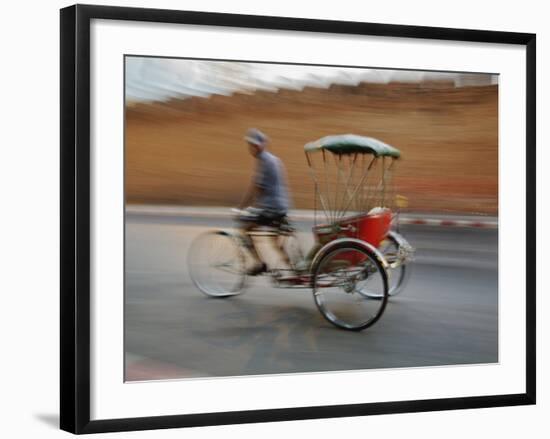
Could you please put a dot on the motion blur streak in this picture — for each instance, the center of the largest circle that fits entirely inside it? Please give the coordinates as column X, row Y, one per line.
column 185, row 122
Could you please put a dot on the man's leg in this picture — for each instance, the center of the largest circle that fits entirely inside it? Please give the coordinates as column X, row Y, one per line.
column 259, row 265
column 278, row 245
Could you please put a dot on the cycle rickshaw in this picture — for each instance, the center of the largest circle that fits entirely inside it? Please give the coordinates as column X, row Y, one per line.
column 357, row 261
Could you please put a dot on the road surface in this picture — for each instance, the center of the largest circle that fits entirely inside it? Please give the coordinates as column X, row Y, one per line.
column 446, row 315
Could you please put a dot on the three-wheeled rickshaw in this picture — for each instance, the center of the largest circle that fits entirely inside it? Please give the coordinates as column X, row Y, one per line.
column 358, row 258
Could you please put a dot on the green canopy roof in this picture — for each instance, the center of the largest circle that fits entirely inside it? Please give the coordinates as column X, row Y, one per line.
column 351, row 143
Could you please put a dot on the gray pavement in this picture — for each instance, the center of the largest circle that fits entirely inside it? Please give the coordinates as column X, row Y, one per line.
column 446, row 315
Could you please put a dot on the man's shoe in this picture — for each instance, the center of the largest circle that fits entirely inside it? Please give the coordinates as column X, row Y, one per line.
column 258, row 269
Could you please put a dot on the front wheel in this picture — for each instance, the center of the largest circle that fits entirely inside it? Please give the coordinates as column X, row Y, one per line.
column 217, row 264
column 339, row 281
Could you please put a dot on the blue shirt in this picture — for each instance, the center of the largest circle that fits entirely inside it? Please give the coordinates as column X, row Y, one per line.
column 270, row 178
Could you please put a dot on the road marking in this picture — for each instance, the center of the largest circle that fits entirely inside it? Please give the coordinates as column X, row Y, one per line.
column 198, row 212
column 140, row 368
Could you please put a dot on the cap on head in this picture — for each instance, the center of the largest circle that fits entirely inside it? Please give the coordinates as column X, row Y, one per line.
column 256, row 137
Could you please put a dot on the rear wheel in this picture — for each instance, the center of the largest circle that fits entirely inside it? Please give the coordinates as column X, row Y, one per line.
column 340, row 279
column 397, row 267
column 217, row 264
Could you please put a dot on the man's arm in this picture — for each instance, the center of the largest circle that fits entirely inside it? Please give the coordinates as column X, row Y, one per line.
column 250, row 195
column 257, row 184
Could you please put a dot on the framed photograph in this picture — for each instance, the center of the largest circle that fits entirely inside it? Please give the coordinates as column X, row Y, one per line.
column 275, row 218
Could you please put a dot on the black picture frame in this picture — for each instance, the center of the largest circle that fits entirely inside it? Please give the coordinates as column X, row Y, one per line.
column 75, row 217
